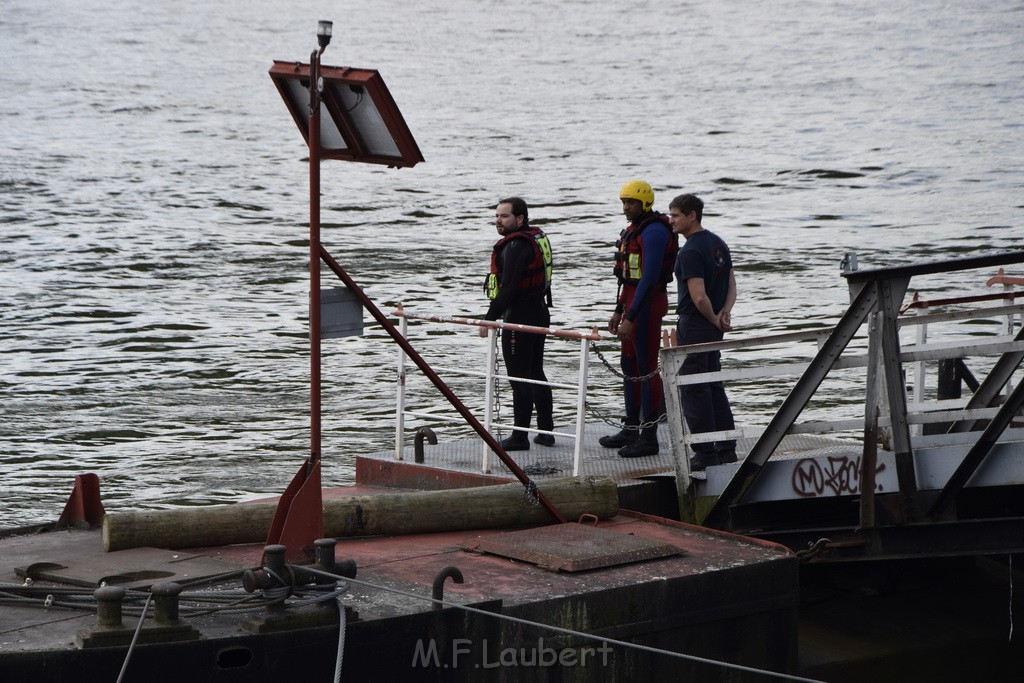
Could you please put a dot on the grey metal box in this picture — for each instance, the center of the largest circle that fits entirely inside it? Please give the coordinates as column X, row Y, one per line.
column 341, row 313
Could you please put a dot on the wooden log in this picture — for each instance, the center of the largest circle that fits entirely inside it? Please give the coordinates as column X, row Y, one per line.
column 415, row 512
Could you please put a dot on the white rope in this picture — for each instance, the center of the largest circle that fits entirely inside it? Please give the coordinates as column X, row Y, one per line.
column 341, row 639
column 138, row 629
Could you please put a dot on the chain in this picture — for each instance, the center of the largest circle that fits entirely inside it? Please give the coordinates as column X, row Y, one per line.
column 594, row 412
column 814, row 550
column 618, row 424
column 615, row 422
column 643, row 378
column 538, row 469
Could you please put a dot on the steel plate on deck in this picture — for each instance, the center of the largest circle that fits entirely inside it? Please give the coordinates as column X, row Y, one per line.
column 573, row 547
column 135, row 568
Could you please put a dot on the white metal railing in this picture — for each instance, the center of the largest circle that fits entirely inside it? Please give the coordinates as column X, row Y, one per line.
column 1011, row 312
column 489, row 375
column 745, row 376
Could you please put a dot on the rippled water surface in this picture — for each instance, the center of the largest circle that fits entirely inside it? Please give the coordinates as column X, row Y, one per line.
column 154, row 199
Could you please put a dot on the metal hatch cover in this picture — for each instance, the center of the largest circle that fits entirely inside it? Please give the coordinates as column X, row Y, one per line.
column 573, row 547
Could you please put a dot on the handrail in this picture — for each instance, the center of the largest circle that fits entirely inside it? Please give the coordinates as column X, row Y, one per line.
column 921, row 318
column 400, row 312
column 917, row 302
column 668, row 337
column 669, row 340
column 491, row 374
column 933, row 267
column 1011, row 311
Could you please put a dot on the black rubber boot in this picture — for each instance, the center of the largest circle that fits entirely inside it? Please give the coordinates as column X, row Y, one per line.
column 517, row 442
column 702, row 461
column 544, row 439
column 623, row 437
column 647, row 444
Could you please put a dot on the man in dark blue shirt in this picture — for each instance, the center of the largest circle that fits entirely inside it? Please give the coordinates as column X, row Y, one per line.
column 707, row 291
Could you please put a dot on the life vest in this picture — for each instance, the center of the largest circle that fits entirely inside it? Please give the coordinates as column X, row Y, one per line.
column 629, row 251
column 536, row 277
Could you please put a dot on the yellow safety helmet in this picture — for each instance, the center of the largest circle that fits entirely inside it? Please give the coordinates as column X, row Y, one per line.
column 638, row 189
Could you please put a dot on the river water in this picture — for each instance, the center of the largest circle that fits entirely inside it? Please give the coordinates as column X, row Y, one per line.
column 154, row 199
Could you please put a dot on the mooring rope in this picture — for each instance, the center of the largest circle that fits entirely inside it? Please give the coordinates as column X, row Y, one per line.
column 135, row 638
column 342, row 618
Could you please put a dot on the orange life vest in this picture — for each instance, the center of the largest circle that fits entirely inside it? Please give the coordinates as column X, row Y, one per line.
column 629, row 251
column 536, row 277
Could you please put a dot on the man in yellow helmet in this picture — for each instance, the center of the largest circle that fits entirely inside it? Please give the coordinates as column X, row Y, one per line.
column 519, row 287
column 644, row 258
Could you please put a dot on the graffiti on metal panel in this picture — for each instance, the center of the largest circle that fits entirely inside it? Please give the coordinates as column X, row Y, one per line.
column 837, row 476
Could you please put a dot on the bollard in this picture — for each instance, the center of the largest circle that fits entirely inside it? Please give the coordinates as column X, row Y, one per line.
column 109, row 629
column 108, row 607
column 274, row 572
column 325, row 556
column 165, row 603
column 274, row 560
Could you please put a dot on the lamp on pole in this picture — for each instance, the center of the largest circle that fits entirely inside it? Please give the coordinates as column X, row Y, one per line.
column 299, row 518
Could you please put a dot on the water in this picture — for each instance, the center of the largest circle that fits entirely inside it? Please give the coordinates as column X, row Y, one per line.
column 154, row 205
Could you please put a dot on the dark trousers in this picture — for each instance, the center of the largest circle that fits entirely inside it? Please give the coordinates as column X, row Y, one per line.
column 706, row 406
column 524, row 357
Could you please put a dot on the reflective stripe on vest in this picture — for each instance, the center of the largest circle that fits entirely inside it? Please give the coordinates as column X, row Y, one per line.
column 536, row 276
column 629, row 252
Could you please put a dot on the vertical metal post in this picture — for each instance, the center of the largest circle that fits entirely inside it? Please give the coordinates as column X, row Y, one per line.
column 869, row 459
column 1010, row 317
column 314, row 258
column 671, row 363
column 919, row 376
column 581, row 406
column 400, row 399
column 492, row 364
column 890, row 292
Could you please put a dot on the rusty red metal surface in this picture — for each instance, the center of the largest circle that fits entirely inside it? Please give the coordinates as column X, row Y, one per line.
column 573, row 547
column 299, row 519
column 84, row 507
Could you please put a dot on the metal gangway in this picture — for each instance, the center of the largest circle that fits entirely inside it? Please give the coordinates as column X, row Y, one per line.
column 896, row 466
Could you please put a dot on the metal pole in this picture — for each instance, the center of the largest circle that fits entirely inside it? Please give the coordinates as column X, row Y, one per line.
column 400, row 408
column 492, row 365
column 919, row 376
column 889, row 293
column 869, row 459
column 581, row 406
column 314, row 258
